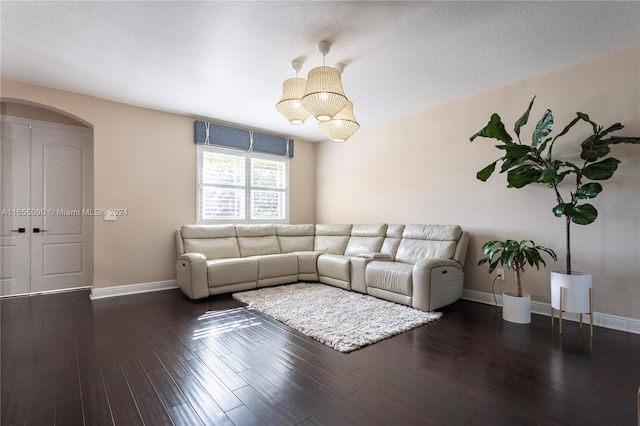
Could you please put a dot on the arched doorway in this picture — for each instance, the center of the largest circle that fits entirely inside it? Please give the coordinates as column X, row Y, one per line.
column 46, row 227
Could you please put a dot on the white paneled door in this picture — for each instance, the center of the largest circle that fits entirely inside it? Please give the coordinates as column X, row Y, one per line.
column 47, row 197
column 14, row 239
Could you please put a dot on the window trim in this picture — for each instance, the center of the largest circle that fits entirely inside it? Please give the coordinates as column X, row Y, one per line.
column 200, row 149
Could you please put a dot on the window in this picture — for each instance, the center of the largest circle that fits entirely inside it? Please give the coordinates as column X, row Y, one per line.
column 241, row 187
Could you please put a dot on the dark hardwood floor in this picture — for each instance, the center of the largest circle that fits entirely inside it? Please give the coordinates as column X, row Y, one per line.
column 159, row 358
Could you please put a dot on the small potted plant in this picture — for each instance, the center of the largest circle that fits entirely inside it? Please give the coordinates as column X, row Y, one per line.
column 512, row 254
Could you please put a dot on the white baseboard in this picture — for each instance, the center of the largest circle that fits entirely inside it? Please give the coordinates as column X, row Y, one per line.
column 39, row 293
column 122, row 290
column 614, row 322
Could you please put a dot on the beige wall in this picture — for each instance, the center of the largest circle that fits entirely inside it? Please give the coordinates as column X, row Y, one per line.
column 302, row 180
column 145, row 161
column 421, row 169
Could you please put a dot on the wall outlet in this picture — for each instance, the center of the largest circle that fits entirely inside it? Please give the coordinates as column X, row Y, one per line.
column 500, row 274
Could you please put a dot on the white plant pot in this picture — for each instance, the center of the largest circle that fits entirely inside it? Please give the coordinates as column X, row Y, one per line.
column 575, row 288
column 516, row 309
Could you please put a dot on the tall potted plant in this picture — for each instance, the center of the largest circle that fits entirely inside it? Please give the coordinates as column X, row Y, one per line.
column 515, row 255
column 534, row 162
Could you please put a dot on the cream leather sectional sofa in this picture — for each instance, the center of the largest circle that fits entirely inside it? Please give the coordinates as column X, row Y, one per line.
column 416, row 265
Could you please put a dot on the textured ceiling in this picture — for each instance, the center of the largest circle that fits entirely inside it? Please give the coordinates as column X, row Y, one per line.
column 226, row 61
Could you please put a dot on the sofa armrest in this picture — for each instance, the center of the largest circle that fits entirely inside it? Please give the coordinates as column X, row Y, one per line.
column 423, row 272
column 359, row 269
column 191, row 272
column 433, row 262
column 179, row 243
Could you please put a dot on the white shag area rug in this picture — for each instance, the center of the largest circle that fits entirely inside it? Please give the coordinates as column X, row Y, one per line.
column 343, row 320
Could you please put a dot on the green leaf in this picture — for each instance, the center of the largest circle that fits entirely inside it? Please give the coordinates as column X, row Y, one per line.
column 518, row 151
column 563, row 209
column 591, row 150
column 523, row 119
column 515, row 155
column 621, row 139
column 549, row 251
column 542, row 146
column 532, row 256
column 590, row 190
column 612, row 128
column 584, row 214
column 543, row 128
column 495, row 130
column 485, row 173
column 509, row 163
column 510, row 259
column 549, row 176
column 523, row 175
column 568, row 127
column 490, row 249
column 602, row 170
column 586, row 118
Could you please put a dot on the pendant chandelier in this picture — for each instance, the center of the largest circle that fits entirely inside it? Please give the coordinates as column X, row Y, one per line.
column 322, row 96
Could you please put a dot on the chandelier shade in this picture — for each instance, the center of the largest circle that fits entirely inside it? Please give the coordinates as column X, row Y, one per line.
column 324, row 96
column 290, row 106
column 342, row 125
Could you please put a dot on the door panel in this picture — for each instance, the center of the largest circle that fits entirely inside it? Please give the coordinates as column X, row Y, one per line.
column 14, row 246
column 61, row 186
column 62, row 258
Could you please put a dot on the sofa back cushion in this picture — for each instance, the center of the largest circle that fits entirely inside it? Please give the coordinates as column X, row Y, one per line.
column 213, row 241
column 256, row 240
column 392, row 240
column 295, row 237
column 332, row 238
column 365, row 239
column 428, row 241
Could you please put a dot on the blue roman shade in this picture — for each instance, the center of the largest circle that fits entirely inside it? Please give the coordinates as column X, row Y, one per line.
column 245, row 140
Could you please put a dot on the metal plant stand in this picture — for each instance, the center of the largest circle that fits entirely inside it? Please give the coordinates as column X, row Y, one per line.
column 562, row 296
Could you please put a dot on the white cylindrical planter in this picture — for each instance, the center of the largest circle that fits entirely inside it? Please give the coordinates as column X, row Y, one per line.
column 575, row 288
column 516, row 309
